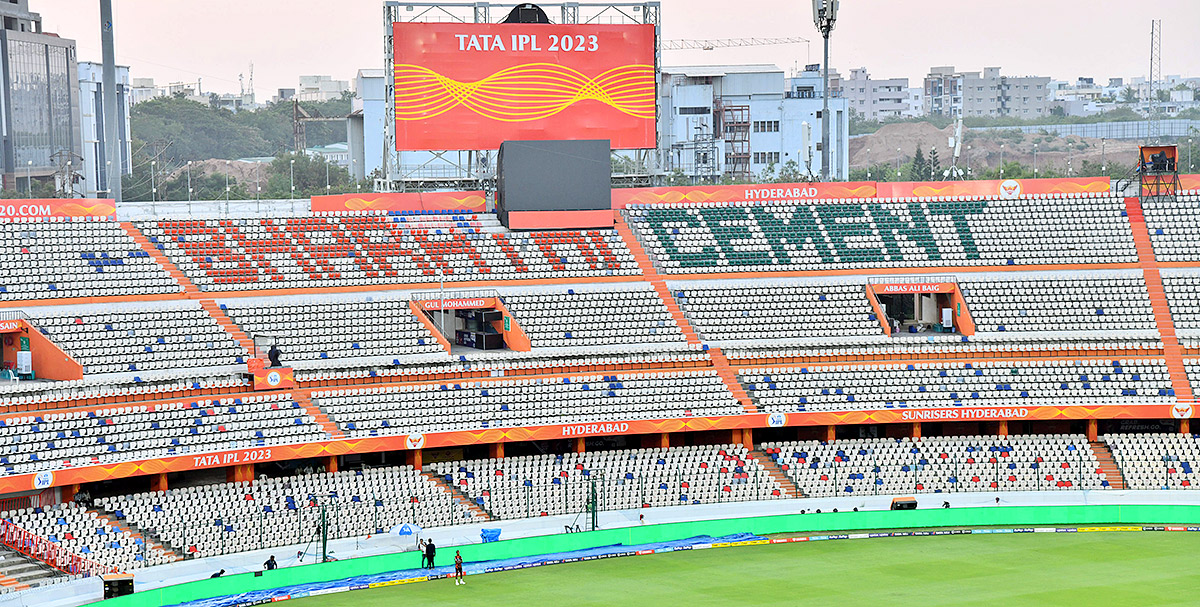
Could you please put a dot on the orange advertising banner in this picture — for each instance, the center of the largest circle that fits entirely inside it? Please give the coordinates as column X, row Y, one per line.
column 472, row 86
column 764, row 193
column 457, row 303
column 1189, row 182
column 470, row 202
column 274, row 378
column 99, row 472
column 1008, row 188
column 58, row 207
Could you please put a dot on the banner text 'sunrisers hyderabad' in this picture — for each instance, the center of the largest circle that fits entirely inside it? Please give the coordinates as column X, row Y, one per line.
column 471, row 86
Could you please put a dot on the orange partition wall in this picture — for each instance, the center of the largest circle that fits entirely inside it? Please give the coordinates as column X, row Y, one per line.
column 874, row 301
column 49, row 361
column 419, row 313
column 963, row 322
column 514, row 336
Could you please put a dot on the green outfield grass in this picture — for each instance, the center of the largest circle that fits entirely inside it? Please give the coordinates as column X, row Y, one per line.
column 1096, row 569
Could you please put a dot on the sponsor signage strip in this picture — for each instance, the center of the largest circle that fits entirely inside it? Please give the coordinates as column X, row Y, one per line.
column 58, row 207
column 99, row 472
column 474, row 201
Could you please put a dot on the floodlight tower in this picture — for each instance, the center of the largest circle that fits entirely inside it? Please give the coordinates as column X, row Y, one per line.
column 108, row 78
column 824, row 15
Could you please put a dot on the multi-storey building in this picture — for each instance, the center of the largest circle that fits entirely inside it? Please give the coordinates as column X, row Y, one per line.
column 874, row 99
column 949, row 92
column 39, row 103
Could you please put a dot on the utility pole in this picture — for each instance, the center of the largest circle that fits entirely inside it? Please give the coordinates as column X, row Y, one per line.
column 112, row 145
column 824, row 16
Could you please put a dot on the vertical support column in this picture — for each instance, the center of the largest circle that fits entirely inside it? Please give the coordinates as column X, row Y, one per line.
column 830, row 433
column 67, row 493
column 331, row 463
column 916, row 430
column 1093, row 429
column 412, row 458
column 1003, row 429
column 748, row 438
column 496, row 450
column 158, row 482
column 240, row 473
column 580, row 446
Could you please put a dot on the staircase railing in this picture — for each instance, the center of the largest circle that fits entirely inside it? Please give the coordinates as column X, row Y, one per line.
column 51, row 553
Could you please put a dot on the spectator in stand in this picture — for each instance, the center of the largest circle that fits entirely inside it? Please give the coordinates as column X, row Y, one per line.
column 217, row 574
column 271, row 565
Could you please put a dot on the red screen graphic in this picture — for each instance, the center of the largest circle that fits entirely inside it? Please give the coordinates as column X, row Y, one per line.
column 465, row 86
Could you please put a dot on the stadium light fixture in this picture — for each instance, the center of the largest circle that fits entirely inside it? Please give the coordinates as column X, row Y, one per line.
column 824, row 17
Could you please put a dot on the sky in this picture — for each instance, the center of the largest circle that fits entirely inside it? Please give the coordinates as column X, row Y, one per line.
column 215, row 40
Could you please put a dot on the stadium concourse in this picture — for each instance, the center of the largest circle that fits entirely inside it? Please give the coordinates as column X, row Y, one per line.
column 783, row 355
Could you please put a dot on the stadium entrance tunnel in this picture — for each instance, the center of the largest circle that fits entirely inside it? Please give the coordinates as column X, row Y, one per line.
column 919, row 305
column 466, row 321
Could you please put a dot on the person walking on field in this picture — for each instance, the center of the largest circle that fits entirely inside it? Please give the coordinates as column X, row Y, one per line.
column 458, row 572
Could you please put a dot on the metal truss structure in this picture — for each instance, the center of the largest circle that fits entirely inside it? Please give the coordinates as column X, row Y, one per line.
column 476, row 169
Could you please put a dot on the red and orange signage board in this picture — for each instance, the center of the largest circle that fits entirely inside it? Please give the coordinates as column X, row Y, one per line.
column 58, row 207
column 457, row 303
column 913, row 288
column 99, row 472
column 1008, row 188
column 470, row 202
column 274, row 378
column 765, row 193
column 472, row 86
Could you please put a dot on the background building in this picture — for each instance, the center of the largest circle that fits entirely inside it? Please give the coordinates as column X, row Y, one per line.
column 96, row 166
column 39, row 103
column 320, row 88
column 876, row 99
column 740, row 120
column 366, row 124
column 973, row 94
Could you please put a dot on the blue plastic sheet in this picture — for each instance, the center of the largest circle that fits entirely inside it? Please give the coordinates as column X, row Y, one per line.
column 362, row 581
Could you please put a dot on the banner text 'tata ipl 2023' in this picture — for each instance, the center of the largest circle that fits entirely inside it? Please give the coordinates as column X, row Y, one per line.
column 466, row 86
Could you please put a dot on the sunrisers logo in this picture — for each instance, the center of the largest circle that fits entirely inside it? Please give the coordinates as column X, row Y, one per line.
column 1181, row 411
column 1010, row 188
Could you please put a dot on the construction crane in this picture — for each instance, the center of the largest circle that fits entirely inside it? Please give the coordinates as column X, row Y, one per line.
column 715, row 43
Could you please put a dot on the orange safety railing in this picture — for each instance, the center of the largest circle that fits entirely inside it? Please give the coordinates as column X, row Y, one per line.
column 51, row 553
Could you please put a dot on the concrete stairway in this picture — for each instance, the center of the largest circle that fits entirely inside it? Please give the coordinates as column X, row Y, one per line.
column 214, row 310
column 1108, row 465
column 20, row 572
column 460, row 497
column 790, row 488
column 332, row 429
column 160, row 257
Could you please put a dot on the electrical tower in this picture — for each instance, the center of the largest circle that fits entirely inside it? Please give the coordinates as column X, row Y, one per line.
column 1155, row 76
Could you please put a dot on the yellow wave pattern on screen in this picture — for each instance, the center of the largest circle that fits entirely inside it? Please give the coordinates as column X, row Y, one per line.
column 521, row 93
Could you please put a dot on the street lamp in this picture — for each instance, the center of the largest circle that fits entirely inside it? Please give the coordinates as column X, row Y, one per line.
column 257, row 187
column 897, row 163
column 189, row 174
column 968, row 162
column 1002, row 161
column 227, row 183
column 29, row 179
column 70, row 179
column 108, row 177
column 1104, row 156
column 1190, row 165
column 292, row 177
column 1035, row 160
column 326, row 176
column 824, row 16
column 868, row 164
column 153, row 188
